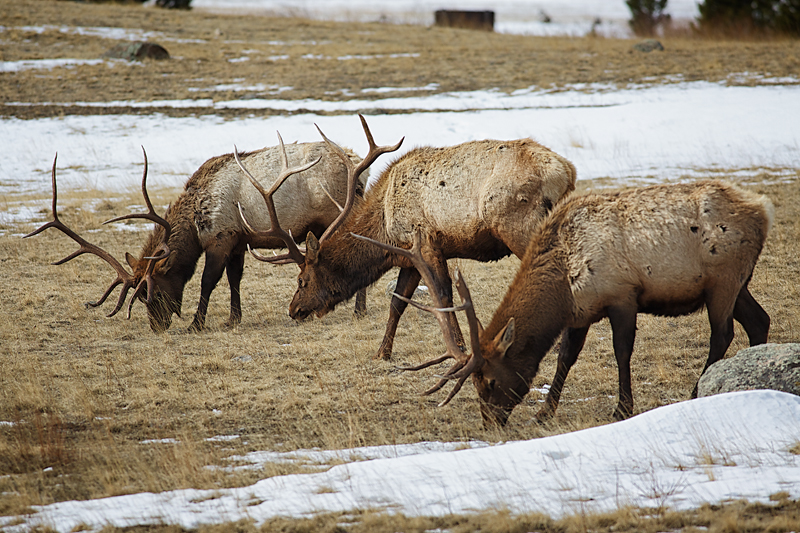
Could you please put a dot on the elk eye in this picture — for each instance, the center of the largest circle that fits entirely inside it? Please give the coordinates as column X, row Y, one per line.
column 490, row 384
column 300, row 283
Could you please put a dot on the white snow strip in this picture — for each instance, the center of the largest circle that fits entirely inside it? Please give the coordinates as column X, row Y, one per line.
column 711, row 450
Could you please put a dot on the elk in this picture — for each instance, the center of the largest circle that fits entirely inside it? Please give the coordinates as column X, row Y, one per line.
column 667, row 250
column 204, row 219
column 478, row 200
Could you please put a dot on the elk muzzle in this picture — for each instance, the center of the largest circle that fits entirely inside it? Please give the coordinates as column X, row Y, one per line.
column 494, row 416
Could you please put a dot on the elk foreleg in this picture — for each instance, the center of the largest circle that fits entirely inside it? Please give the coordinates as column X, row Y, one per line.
column 234, row 271
column 407, row 282
column 572, row 341
column 623, row 328
column 212, row 273
column 752, row 317
column 444, row 284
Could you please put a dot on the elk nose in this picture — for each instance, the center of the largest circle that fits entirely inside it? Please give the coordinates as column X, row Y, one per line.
column 298, row 313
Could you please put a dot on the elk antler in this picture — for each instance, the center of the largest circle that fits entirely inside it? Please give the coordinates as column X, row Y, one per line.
column 465, row 365
column 294, row 254
column 123, row 277
column 163, row 250
column 353, row 172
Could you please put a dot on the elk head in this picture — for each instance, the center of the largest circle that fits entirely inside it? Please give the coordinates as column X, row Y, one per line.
column 500, row 387
column 314, row 296
column 160, row 299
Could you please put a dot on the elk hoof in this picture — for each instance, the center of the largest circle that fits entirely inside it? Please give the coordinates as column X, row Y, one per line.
column 382, row 356
column 196, row 327
column 543, row 416
column 621, row 413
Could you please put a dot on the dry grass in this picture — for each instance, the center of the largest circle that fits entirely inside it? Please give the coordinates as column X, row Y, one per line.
column 83, row 392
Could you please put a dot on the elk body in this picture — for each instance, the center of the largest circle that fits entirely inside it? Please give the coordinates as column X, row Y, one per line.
column 205, row 218
column 666, row 250
column 478, row 200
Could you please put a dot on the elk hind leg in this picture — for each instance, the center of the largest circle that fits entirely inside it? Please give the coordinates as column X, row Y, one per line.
column 234, row 271
column 720, row 307
column 623, row 328
column 407, row 282
column 572, row 341
column 752, row 317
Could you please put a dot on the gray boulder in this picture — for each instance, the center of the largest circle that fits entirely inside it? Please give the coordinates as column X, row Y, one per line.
column 766, row 366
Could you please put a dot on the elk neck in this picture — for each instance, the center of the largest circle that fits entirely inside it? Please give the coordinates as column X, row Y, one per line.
column 183, row 243
column 539, row 300
column 352, row 263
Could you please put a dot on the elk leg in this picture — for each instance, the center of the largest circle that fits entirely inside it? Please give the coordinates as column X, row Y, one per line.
column 234, row 270
column 407, row 282
column 752, row 317
column 571, row 344
column 444, row 283
column 212, row 273
column 623, row 328
column 361, row 303
column 720, row 316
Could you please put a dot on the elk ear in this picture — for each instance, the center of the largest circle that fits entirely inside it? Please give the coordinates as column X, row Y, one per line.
column 132, row 261
column 505, row 338
column 312, row 248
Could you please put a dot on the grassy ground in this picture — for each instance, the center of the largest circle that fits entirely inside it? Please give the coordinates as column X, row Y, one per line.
column 313, row 59
column 82, row 392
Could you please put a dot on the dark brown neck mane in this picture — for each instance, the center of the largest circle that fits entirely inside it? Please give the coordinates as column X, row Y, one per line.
column 183, row 243
column 352, row 264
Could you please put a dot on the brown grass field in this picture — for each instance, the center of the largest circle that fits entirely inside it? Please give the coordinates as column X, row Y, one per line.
column 83, row 391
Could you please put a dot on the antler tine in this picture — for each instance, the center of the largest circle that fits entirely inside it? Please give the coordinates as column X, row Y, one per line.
column 476, row 361
column 463, row 366
column 123, row 277
column 294, row 254
column 163, row 250
column 353, row 171
column 439, row 310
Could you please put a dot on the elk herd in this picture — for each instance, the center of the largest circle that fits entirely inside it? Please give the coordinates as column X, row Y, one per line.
column 666, row 250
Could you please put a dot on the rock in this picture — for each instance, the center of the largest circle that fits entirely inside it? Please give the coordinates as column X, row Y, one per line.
column 766, row 366
column 648, row 45
column 137, row 51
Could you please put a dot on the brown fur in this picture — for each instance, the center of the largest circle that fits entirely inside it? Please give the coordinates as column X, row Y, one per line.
column 205, row 219
column 478, row 200
column 665, row 250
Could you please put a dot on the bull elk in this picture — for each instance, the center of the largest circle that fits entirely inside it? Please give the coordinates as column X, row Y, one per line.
column 667, row 250
column 478, row 200
column 204, row 219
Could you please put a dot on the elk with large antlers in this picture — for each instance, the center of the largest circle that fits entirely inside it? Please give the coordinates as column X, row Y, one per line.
column 667, row 250
column 478, row 200
column 205, row 218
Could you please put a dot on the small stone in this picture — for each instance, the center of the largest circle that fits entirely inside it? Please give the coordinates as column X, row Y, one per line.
column 648, row 45
column 137, row 51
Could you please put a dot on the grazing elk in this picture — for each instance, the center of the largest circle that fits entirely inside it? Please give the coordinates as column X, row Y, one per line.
column 204, row 219
column 666, row 250
column 478, row 200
